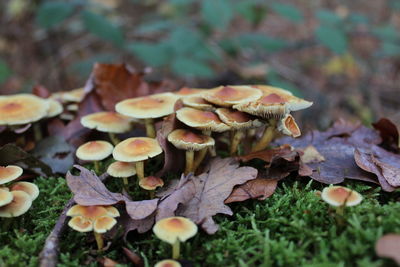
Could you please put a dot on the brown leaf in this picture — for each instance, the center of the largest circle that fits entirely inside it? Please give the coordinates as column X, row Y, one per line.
column 389, row 134
column 211, row 190
column 259, row 188
column 107, row 262
column 41, row 91
column 311, row 155
column 133, row 257
column 269, row 155
column 388, row 246
column 141, row 226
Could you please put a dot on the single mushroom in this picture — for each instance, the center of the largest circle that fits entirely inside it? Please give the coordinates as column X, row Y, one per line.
column 288, row 126
column 341, row 196
column 100, row 219
column 9, row 173
column 186, row 91
column 55, row 108
column 31, row 189
column 94, row 151
column 197, row 102
column 122, row 170
column 174, row 230
column 227, row 96
column 137, row 149
column 109, row 122
column 150, row 183
column 148, row 108
column 5, row 196
column 190, row 142
column 74, row 96
column 239, row 123
column 168, row 263
column 20, row 204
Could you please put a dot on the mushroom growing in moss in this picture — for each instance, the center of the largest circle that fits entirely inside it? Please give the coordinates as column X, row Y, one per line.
column 341, row 196
column 94, row 151
column 21, row 202
column 122, row 170
column 168, row 263
column 150, row 183
column 9, row 173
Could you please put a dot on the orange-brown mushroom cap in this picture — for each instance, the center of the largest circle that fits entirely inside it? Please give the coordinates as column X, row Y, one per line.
column 197, row 102
column 109, row 122
column 136, row 149
column 103, row 224
column 31, row 189
column 92, row 212
column 176, row 228
column 151, row 182
column 188, row 140
column 81, row 224
column 339, row 195
column 22, row 109
column 186, row 91
column 19, row 205
column 287, row 125
column 55, row 108
column 5, row 197
column 227, row 96
column 9, row 173
column 203, row 120
column 168, row 263
column 237, row 119
column 121, row 169
column 153, row 106
column 94, row 150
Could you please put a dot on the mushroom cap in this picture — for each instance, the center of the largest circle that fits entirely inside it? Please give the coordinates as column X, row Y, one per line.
column 75, row 95
column 103, row 224
column 9, row 173
column 339, row 195
column 121, row 169
column 94, row 150
column 227, row 96
column 55, row 108
column 168, row 263
column 109, row 122
column 92, row 212
column 19, row 205
column 81, row 224
column 197, row 102
column 153, row 106
column 136, row 149
column 73, row 107
column 31, row 189
column 6, row 197
column 287, row 125
column 203, row 120
column 188, row 140
column 237, row 119
column 176, row 228
column 22, row 109
column 186, row 91
column 151, row 182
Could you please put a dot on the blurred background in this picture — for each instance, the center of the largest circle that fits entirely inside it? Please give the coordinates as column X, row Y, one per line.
column 343, row 55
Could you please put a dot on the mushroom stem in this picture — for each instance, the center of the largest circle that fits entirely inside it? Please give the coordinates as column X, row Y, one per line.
column 139, row 169
column 267, row 137
column 199, row 158
column 152, row 194
column 97, row 167
column 99, row 240
column 114, row 139
column 37, row 132
column 176, row 250
column 150, row 128
column 189, row 161
column 237, row 137
column 126, row 182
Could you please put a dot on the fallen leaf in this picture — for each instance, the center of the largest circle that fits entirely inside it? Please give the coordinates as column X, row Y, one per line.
column 389, row 134
column 269, row 155
column 41, row 91
column 388, row 246
column 107, row 262
column 259, row 188
column 133, row 257
column 311, row 155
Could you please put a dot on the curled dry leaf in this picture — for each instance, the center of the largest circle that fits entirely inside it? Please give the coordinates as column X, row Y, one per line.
column 388, row 246
column 269, row 155
column 133, row 257
column 389, row 134
column 259, row 188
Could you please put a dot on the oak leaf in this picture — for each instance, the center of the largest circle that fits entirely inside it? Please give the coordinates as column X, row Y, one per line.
column 388, row 246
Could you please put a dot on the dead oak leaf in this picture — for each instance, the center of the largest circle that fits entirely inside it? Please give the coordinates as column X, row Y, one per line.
column 259, row 188
column 269, row 155
column 389, row 134
column 388, row 246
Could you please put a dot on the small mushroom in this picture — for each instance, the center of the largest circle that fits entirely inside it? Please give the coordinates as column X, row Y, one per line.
column 197, row 102
column 137, row 149
column 9, row 173
column 174, row 230
column 190, row 142
column 31, row 189
column 75, row 95
column 94, row 151
column 168, row 263
column 148, row 108
column 341, row 196
column 20, row 204
column 55, row 108
column 122, row 170
column 5, row 196
column 150, row 183
column 227, row 96
column 287, row 125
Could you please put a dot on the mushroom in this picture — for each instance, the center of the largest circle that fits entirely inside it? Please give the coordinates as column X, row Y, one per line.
column 227, row 96
column 109, row 122
column 287, row 125
column 150, row 183
column 197, row 102
column 174, row 230
column 239, row 122
column 94, row 151
column 5, row 196
column 123, row 170
column 137, row 149
column 9, row 173
column 98, row 219
column 148, row 108
column 31, row 189
column 55, row 108
column 341, row 196
column 168, row 263
column 186, row 91
column 190, row 142
column 21, row 202
column 75, row 95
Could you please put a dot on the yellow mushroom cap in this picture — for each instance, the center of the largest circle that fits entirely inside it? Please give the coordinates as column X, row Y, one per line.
column 186, row 91
column 55, row 108
column 197, row 102
column 81, row 224
column 227, row 96
column 188, row 140
column 151, row 182
column 121, row 169
column 204, row 120
column 75, row 95
column 111, row 211
column 31, row 189
column 94, row 150
column 168, row 263
column 110, row 122
column 19, row 205
column 22, row 109
column 339, row 195
column 5, row 197
column 153, row 106
column 287, row 125
column 136, row 149
column 103, row 224
column 92, row 212
column 172, row 229
column 9, row 173
column 237, row 119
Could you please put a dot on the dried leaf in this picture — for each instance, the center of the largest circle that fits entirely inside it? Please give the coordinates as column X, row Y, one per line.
column 269, row 155
column 259, row 188
column 107, row 262
column 133, row 257
column 311, row 155
column 388, row 246
column 41, row 91
column 389, row 134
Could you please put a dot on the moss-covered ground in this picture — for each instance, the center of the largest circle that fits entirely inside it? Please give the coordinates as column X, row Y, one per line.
column 291, row 228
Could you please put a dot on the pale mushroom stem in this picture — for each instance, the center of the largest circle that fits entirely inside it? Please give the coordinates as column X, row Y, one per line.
column 189, row 161
column 97, row 167
column 99, row 240
column 237, row 137
column 176, row 250
column 152, row 194
column 150, row 128
column 140, row 169
column 201, row 154
column 126, row 182
column 114, row 139
column 267, row 137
